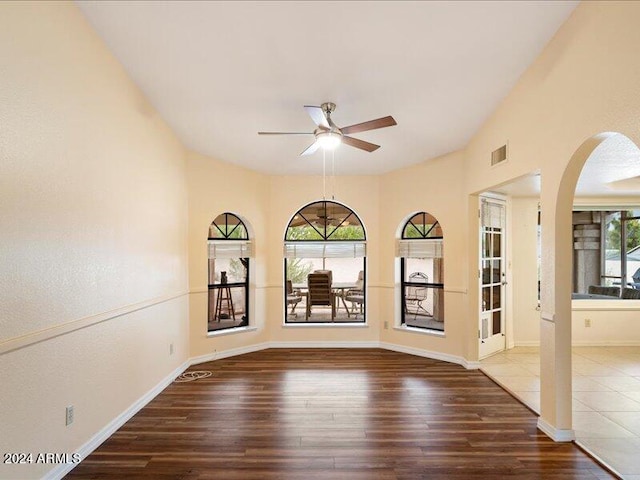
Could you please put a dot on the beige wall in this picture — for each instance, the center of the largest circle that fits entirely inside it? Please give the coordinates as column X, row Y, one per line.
column 94, row 216
column 434, row 187
column 522, row 268
column 216, row 187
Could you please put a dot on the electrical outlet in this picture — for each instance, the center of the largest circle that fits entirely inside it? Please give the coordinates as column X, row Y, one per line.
column 587, row 322
column 69, row 415
column 386, row 325
column 171, row 349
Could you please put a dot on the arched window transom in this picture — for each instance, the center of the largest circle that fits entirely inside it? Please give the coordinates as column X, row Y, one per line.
column 422, row 225
column 325, row 221
column 228, row 226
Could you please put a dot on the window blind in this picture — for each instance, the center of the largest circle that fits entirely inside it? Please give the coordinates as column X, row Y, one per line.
column 325, row 249
column 492, row 214
column 427, row 248
column 230, row 249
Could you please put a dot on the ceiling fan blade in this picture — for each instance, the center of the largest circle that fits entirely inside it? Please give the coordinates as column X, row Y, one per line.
column 311, row 149
column 318, row 116
column 361, row 144
column 285, row 133
column 370, row 125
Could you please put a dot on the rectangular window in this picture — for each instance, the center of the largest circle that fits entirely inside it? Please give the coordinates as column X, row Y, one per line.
column 422, row 292
column 228, row 293
column 606, row 254
column 338, row 300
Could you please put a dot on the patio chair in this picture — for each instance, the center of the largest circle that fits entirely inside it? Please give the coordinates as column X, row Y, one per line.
column 326, row 272
column 356, row 296
column 320, row 293
column 293, row 298
column 636, row 280
column 631, row 294
column 602, row 290
column 415, row 295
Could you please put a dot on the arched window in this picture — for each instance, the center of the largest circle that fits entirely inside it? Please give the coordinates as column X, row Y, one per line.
column 229, row 253
column 421, row 272
column 325, row 264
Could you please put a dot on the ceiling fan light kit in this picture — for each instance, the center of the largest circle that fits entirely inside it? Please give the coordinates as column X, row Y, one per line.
column 329, row 135
column 329, row 140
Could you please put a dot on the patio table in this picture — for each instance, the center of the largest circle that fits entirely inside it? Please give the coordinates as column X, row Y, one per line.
column 339, row 288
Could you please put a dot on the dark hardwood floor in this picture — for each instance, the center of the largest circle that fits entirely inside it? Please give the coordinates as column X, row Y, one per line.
column 355, row 414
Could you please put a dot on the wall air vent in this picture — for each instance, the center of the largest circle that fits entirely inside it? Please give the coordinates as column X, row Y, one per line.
column 499, row 155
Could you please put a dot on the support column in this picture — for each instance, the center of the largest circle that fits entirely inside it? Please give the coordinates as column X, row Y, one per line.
column 555, row 322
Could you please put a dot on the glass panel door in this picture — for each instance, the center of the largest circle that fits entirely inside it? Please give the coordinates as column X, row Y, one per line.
column 492, row 276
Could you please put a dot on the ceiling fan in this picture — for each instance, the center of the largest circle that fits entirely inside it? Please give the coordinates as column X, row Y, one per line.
column 329, row 136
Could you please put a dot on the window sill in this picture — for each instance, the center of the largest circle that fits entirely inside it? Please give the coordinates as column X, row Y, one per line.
column 326, row 325
column 230, row 331
column 423, row 331
column 605, row 305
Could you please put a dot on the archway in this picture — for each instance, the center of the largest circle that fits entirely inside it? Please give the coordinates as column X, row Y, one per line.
column 556, row 288
column 605, row 333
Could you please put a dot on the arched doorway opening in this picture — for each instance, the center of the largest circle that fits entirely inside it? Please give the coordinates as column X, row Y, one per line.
column 605, row 299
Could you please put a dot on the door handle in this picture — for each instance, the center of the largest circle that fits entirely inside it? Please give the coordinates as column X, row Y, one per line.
column 504, row 283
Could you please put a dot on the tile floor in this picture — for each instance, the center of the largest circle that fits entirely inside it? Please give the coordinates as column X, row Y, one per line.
column 606, row 398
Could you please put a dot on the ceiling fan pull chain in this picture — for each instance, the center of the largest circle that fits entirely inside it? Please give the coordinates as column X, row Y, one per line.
column 333, row 174
column 324, row 174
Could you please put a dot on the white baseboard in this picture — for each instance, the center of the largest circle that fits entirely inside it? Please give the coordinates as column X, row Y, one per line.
column 228, row 353
column 614, row 343
column 326, row 344
column 471, row 365
column 586, row 343
column 557, row 435
column 427, row 354
column 526, row 343
column 94, row 442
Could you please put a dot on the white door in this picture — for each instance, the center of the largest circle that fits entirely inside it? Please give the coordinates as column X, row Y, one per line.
column 492, row 276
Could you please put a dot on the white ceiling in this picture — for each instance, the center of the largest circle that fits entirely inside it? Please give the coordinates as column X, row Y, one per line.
column 219, row 72
column 525, row 186
column 612, row 170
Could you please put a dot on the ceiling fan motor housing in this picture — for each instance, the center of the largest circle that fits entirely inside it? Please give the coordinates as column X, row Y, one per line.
column 328, row 108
